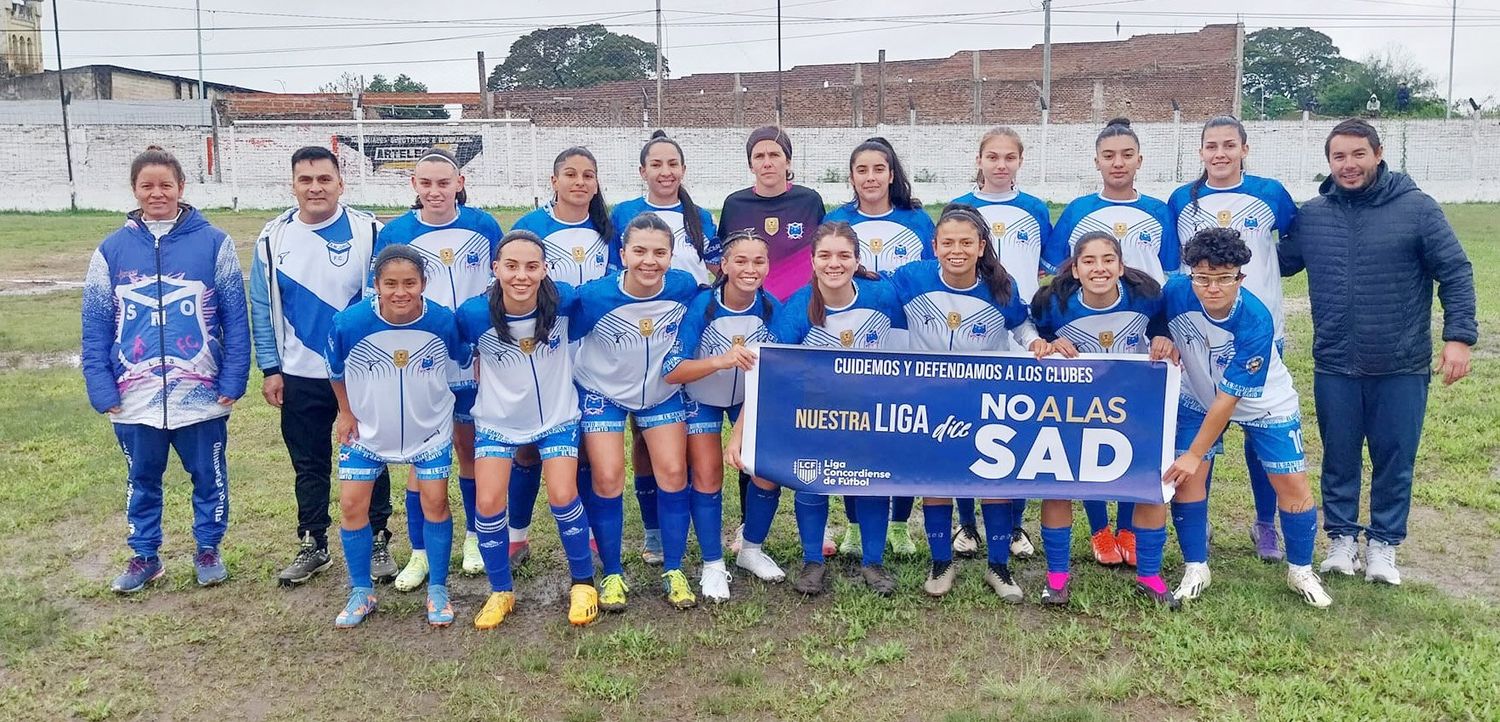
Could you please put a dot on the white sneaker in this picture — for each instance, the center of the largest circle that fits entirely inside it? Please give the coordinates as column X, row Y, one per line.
column 1195, row 579
column 966, row 541
column 1343, row 557
column 415, row 572
column 1303, row 581
column 473, row 560
column 1020, row 544
column 715, row 581
column 739, row 540
column 1380, row 563
column 755, row 561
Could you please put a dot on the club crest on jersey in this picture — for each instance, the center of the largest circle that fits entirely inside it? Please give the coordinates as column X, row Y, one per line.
column 1120, row 229
column 846, row 338
column 807, row 470
column 579, row 253
column 427, row 363
column 737, row 341
column 401, row 358
column 1254, row 364
column 877, row 244
column 1145, row 237
column 1107, row 339
column 1252, row 223
column 648, row 326
column 773, row 224
column 447, row 256
column 338, row 252
column 997, row 228
column 979, row 330
column 954, row 319
column 527, row 345
column 471, row 259
column 1224, row 218
column 899, row 251
column 1021, row 235
column 794, row 231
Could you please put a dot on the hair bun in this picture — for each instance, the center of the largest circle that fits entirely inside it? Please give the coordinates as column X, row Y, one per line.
column 881, row 140
column 658, row 133
column 154, row 147
column 1123, row 121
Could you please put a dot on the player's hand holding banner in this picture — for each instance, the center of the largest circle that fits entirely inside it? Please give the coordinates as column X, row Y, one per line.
column 996, row 426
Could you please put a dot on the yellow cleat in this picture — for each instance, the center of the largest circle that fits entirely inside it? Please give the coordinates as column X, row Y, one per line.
column 584, row 607
column 675, row 584
column 495, row 608
column 612, row 593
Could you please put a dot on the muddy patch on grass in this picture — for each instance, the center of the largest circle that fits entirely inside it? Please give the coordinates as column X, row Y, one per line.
column 37, row 286
column 1454, row 550
column 22, row 361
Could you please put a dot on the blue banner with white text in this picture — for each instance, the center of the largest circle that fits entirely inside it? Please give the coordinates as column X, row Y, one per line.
column 1004, row 426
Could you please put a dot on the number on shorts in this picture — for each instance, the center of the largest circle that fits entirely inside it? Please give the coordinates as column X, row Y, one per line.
column 1296, row 435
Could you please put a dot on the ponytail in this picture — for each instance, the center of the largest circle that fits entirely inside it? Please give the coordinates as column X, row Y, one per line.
column 817, row 308
column 547, row 297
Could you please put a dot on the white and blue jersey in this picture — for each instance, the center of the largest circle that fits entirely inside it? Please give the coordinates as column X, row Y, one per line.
column 1125, row 326
column 624, row 340
column 1144, row 227
column 865, row 323
column 890, row 240
column 701, row 337
column 1236, row 355
column 526, row 387
column 458, row 255
column 1261, row 210
column 300, row 276
column 396, row 377
column 943, row 318
column 684, row 256
column 576, row 253
column 1021, row 229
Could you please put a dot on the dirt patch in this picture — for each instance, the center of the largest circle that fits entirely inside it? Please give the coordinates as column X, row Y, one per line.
column 37, row 361
column 37, row 286
column 1453, row 550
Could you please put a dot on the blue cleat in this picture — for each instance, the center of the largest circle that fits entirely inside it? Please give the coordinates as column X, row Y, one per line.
column 439, row 609
column 210, row 566
column 361, row 604
column 138, row 573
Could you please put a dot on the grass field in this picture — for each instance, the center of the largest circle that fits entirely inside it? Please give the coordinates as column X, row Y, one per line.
column 249, row 650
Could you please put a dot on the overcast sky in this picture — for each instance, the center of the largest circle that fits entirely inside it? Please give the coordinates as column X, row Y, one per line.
column 294, row 45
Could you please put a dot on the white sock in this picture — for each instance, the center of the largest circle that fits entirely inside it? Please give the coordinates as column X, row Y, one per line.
column 520, row 534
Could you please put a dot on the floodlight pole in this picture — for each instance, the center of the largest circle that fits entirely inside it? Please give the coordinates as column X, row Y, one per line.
column 1452, row 39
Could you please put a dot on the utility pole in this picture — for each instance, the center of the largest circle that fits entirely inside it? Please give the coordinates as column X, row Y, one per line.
column 778, row 62
column 658, row 62
column 1046, row 54
column 62, row 97
column 198, row 21
column 1452, row 38
column 487, row 99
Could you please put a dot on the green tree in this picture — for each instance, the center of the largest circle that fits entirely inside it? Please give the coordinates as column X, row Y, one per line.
column 402, row 84
column 349, row 83
column 1291, row 64
column 568, row 57
column 1382, row 74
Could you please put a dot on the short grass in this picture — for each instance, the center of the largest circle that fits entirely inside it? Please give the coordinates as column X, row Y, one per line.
column 248, row 650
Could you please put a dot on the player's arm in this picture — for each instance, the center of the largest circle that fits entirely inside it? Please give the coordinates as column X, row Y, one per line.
column 1214, row 423
column 345, row 426
column 690, row 370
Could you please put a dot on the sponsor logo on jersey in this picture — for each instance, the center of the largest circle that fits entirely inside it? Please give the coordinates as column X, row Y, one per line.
column 954, row 319
column 807, row 470
column 846, row 338
column 527, row 345
column 794, row 231
column 1254, row 364
column 447, row 256
column 338, row 252
column 647, row 326
column 998, row 228
column 877, row 244
column 1224, row 218
column 773, row 224
column 1107, row 339
column 1120, row 229
column 579, row 253
column 401, row 358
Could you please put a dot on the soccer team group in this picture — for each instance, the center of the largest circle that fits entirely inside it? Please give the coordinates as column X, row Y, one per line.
column 530, row 354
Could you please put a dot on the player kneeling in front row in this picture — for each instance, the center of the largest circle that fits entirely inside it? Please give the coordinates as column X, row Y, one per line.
column 1232, row 371
column 388, row 361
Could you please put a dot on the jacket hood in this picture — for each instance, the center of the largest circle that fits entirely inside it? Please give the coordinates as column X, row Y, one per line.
column 1388, row 185
column 188, row 221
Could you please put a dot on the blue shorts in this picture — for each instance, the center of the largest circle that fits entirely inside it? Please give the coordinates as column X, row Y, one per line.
column 602, row 414
column 357, row 464
column 705, row 419
column 463, row 404
column 1277, row 442
column 552, row 443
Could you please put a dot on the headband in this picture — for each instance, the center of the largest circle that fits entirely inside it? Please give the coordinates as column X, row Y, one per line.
column 768, row 132
column 438, row 156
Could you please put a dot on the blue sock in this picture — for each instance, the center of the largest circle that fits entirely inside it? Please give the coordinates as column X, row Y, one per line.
column 1260, row 487
column 645, row 496
column 573, row 529
column 1125, row 516
column 937, row 521
column 357, row 546
column 439, row 536
column 1017, row 513
column 1191, row 520
column 708, row 523
column 901, row 508
column 812, row 519
column 674, row 510
column 1098, row 514
column 608, row 526
column 525, row 484
column 851, row 509
column 466, row 492
column 874, row 514
column 1149, row 544
column 1208, row 481
column 494, row 546
column 966, row 512
column 1300, row 529
column 997, row 527
column 760, row 511
column 1057, row 545
column 414, row 520
column 586, row 495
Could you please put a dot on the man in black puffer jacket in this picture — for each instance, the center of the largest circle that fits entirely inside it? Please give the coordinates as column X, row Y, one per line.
column 1372, row 245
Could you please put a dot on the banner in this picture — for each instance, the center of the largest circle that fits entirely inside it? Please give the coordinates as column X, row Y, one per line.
column 401, row 152
column 1000, row 426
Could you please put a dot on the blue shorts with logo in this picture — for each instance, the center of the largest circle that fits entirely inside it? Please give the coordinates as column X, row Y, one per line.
column 602, row 414
column 358, row 464
column 1277, row 442
column 552, row 443
column 705, row 419
column 463, row 404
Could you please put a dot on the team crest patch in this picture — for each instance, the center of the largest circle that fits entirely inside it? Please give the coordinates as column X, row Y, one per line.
column 794, row 231
column 846, row 338
column 447, row 256
column 578, row 254
column 1120, row 229
column 401, row 358
column 527, row 345
column 737, row 341
column 773, row 224
column 338, row 252
column 1107, row 339
column 877, row 244
column 1254, row 364
column 1224, row 219
column 954, row 320
column 1252, row 223
column 647, row 326
column 997, row 228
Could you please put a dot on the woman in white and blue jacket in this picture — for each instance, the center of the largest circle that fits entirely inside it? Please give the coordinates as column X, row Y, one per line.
column 166, row 353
